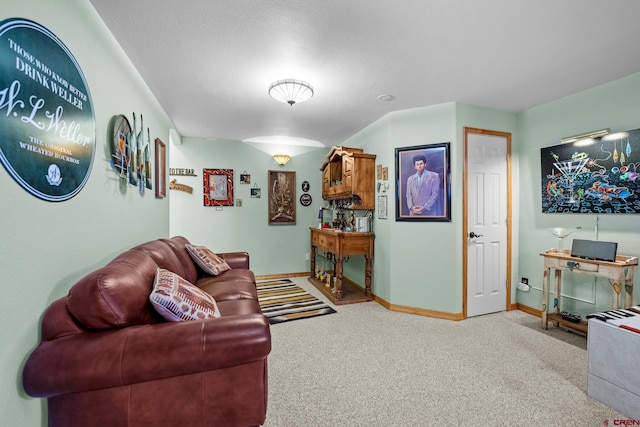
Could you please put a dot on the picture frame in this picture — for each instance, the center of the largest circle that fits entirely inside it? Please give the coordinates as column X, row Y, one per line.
column 282, row 197
column 431, row 199
column 161, row 169
column 245, row 178
column 218, row 187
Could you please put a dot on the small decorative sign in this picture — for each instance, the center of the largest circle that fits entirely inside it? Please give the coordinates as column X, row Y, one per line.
column 382, row 207
column 47, row 123
column 174, row 185
column 305, row 199
column 182, row 172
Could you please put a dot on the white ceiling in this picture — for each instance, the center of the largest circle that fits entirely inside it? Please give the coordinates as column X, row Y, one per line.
column 210, row 62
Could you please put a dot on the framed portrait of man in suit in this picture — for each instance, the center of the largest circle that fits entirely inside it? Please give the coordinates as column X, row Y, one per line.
column 423, row 183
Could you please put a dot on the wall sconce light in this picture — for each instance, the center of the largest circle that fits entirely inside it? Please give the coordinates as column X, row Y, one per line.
column 281, row 159
column 576, row 138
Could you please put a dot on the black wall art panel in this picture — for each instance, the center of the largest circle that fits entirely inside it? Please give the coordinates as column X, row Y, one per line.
column 592, row 176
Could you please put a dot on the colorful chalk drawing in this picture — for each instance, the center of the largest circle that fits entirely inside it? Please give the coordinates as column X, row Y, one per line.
column 599, row 176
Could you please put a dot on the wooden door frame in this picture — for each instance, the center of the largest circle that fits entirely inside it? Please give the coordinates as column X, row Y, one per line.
column 465, row 228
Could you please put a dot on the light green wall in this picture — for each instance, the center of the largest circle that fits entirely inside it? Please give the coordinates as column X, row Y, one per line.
column 46, row 247
column 419, row 264
column 613, row 105
column 273, row 249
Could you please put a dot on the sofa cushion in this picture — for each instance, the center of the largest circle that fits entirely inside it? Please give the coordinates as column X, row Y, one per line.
column 177, row 300
column 164, row 256
column 238, row 307
column 233, row 284
column 177, row 245
column 116, row 295
column 209, row 262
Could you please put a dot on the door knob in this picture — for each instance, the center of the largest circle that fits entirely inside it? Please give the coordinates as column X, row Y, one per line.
column 472, row 235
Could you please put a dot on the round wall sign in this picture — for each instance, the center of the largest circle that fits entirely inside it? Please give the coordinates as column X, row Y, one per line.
column 47, row 123
column 305, row 200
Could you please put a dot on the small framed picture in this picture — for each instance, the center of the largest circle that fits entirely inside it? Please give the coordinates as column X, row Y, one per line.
column 305, row 186
column 255, row 193
column 218, row 187
column 245, row 178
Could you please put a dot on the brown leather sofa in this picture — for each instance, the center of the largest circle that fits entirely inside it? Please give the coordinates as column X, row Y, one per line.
column 108, row 359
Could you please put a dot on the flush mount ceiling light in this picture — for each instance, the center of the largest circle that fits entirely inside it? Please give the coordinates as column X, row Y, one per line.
column 281, row 159
column 290, row 91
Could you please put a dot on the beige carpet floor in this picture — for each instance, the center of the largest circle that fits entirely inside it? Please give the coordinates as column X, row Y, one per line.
column 368, row 366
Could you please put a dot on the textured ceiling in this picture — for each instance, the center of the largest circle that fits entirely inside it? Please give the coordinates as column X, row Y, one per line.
column 210, row 62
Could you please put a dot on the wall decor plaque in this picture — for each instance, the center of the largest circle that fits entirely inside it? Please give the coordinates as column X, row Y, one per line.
column 161, row 169
column 47, row 122
column 305, row 199
column 592, row 176
column 282, row 197
column 218, row 187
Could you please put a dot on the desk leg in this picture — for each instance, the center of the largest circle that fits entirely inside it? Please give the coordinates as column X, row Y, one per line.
column 312, row 259
column 338, row 288
column 616, row 286
column 558, row 293
column 545, row 297
column 367, row 276
column 628, row 287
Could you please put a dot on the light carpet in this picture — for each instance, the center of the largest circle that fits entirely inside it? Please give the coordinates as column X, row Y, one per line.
column 282, row 301
column 366, row 366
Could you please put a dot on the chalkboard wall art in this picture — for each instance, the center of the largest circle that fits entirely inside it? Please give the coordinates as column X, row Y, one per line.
column 47, row 123
column 598, row 176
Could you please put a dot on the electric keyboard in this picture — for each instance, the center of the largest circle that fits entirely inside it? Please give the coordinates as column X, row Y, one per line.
column 628, row 318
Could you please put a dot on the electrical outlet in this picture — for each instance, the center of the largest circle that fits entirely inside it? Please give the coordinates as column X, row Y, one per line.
column 307, row 256
column 524, row 280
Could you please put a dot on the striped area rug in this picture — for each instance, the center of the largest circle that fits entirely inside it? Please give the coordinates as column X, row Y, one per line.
column 282, row 300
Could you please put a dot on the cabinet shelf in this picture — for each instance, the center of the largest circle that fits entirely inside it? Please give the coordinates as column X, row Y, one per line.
column 349, row 174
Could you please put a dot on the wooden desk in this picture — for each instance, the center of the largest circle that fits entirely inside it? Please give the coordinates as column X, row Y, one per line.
column 619, row 272
column 341, row 244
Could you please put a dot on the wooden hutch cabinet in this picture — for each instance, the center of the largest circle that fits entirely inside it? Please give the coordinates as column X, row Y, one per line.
column 349, row 173
column 348, row 182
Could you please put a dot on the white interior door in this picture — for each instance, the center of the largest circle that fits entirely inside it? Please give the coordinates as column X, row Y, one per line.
column 487, row 206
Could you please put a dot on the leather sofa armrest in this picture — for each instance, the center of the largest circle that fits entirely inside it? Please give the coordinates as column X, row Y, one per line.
column 236, row 260
column 97, row 360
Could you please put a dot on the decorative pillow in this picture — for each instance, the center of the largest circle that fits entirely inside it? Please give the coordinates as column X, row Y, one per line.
column 176, row 299
column 211, row 263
